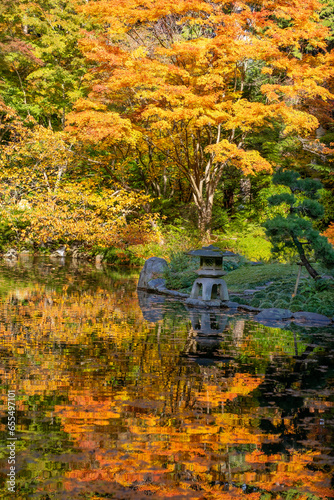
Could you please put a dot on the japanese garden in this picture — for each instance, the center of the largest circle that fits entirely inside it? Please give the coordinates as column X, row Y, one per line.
column 167, row 249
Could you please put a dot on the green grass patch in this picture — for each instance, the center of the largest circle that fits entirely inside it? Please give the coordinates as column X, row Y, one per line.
column 249, row 276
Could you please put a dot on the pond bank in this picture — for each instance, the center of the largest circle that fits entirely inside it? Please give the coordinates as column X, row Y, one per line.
column 151, row 281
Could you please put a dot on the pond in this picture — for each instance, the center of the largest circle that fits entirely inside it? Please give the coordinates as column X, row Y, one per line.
column 128, row 397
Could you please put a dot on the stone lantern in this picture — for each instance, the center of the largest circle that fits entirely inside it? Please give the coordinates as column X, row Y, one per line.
column 210, row 285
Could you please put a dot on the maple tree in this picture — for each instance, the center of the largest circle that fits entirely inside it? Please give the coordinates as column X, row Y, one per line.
column 329, row 233
column 41, row 63
column 43, row 201
column 170, row 79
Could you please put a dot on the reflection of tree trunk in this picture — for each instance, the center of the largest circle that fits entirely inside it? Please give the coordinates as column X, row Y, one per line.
column 191, row 343
column 158, row 339
column 238, row 331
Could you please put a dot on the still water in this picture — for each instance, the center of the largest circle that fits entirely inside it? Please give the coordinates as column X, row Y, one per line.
column 129, row 397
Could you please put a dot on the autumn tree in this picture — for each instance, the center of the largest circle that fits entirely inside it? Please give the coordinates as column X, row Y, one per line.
column 171, row 76
column 43, row 200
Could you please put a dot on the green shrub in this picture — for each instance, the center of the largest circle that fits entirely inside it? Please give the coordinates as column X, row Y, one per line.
column 253, row 246
column 294, row 307
column 230, row 265
column 240, row 300
column 272, row 296
column 282, row 304
column 10, row 231
column 180, row 274
column 266, row 304
column 117, row 256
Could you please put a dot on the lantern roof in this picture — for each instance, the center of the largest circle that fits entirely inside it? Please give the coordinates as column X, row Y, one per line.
column 210, row 251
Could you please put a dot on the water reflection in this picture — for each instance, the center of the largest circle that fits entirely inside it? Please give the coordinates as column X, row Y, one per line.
column 126, row 398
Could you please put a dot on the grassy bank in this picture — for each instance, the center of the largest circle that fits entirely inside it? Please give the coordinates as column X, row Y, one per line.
column 277, row 282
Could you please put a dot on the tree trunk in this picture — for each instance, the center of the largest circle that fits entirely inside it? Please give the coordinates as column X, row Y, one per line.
column 245, row 189
column 205, row 218
column 312, row 272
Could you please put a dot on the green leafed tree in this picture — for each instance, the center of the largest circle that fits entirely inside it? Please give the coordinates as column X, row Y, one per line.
column 41, row 64
column 295, row 230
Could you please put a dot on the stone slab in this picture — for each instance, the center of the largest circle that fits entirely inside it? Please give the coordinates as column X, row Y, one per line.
column 204, row 304
column 273, row 313
column 245, row 307
column 230, row 304
column 309, row 318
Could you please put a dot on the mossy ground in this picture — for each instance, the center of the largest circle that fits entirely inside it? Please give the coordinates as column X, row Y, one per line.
column 249, row 276
column 312, row 296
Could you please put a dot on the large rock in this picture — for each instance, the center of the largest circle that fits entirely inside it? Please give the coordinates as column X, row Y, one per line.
column 273, row 313
column 157, row 284
column 60, row 253
column 153, row 268
column 310, row 319
column 11, row 254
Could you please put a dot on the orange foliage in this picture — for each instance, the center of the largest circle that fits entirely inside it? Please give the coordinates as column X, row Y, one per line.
column 329, row 233
column 169, row 77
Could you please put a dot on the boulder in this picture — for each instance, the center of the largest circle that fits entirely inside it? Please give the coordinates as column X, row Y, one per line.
column 78, row 254
column 273, row 313
column 99, row 258
column 11, row 254
column 24, row 253
column 153, row 268
column 60, row 253
column 157, row 284
column 310, row 319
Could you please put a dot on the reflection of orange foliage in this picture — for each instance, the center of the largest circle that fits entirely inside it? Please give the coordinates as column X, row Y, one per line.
column 150, row 443
column 291, row 472
column 241, row 385
column 141, row 425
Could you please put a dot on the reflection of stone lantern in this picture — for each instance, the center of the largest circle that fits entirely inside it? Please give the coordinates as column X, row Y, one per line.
column 208, row 323
column 210, row 285
column 205, row 336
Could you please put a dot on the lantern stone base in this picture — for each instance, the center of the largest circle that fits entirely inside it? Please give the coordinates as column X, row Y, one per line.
column 208, row 289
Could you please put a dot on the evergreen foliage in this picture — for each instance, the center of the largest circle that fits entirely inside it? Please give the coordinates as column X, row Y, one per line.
column 295, row 230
